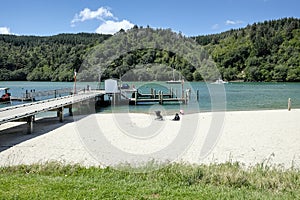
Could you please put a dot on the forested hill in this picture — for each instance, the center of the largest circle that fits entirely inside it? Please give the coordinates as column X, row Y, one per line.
column 264, row 51
column 51, row 58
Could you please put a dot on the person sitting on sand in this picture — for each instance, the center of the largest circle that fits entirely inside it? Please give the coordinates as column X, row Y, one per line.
column 158, row 115
column 176, row 118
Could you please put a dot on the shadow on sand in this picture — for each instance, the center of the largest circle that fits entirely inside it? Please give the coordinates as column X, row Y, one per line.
column 17, row 134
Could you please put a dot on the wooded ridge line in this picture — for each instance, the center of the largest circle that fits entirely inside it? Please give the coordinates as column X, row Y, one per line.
column 263, row 51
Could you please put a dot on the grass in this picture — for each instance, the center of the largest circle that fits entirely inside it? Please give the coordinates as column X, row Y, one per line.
column 174, row 181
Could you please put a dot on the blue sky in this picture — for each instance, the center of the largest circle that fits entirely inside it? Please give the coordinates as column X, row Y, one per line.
column 191, row 17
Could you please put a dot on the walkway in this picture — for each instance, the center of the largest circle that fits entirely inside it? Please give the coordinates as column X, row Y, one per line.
column 29, row 110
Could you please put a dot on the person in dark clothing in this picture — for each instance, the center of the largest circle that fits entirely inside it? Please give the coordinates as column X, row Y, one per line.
column 176, row 118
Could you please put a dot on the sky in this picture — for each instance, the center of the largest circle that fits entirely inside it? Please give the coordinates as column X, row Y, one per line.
column 190, row 17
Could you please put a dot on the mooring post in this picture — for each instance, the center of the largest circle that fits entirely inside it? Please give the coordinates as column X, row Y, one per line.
column 198, row 96
column 30, row 120
column 114, row 98
column 182, row 92
column 186, row 97
column 289, row 104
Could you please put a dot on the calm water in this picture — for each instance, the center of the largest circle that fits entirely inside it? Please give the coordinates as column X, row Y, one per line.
column 232, row 96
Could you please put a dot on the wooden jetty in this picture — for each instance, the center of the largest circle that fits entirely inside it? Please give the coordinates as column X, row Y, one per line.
column 27, row 111
column 158, row 97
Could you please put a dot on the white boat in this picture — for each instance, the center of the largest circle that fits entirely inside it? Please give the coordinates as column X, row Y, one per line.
column 174, row 81
column 219, row 81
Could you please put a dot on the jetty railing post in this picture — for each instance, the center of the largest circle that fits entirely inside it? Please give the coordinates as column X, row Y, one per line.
column 151, row 92
column 289, row 104
column 154, row 94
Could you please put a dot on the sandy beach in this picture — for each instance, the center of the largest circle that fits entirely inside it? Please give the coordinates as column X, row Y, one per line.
column 271, row 137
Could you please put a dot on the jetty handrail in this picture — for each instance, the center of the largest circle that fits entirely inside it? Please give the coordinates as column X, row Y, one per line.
column 33, row 103
column 34, row 93
column 30, row 109
column 38, row 102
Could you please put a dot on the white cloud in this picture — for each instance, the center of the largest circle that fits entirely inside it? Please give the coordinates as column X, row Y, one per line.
column 87, row 14
column 215, row 27
column 230, row 22
column 111, row 27
column 5, row 30
column 109, row 23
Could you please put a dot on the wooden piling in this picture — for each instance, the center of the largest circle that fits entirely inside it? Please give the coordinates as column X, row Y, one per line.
column 30, row 120
column 161, row 97
column 198, row 95
column 61, row 114
column 135, row 97
column 70, row 111
column 289, row 104
column 114, row 98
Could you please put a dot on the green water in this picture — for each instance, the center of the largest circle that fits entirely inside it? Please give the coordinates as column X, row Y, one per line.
column 232, row 96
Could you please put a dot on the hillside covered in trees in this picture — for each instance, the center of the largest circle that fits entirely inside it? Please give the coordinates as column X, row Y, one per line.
column 51, row 58
column 264, row 51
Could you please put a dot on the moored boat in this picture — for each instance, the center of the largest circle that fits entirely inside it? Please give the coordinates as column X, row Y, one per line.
column 174, row 81
column 219, row 81
column 5, row 95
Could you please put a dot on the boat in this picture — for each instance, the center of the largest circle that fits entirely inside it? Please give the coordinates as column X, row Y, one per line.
column 179, row 81
column 174, row 82
column 5, row 97
column 219, row 81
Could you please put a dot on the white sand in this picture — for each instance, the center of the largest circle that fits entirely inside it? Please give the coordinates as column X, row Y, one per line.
column 249, row 137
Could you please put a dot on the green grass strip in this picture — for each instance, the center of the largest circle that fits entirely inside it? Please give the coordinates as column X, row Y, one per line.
column 173, row 181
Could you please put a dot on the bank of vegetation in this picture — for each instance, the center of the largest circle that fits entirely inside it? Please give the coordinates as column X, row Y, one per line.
column 263, row 51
